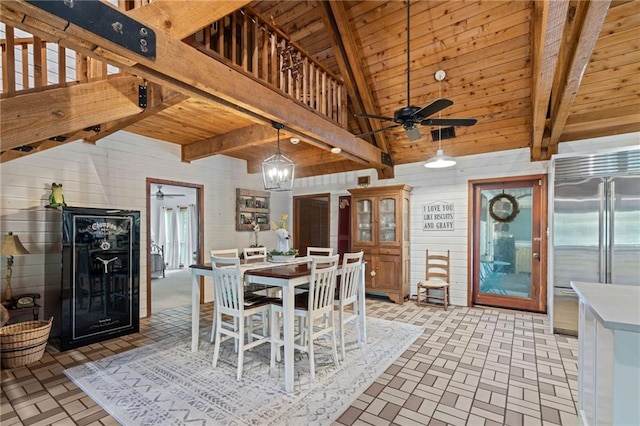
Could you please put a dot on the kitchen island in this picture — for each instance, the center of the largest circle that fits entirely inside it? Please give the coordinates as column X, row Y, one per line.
column 609, row 354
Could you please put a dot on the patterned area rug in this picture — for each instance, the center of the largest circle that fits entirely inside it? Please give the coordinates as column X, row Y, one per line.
column 165, row 383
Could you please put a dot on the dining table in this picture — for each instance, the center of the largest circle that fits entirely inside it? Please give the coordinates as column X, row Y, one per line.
column 286, row 276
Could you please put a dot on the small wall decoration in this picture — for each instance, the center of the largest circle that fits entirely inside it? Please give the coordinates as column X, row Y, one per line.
column 438, row 216
column 56, row 198
column 363, row 181
column 503, row 208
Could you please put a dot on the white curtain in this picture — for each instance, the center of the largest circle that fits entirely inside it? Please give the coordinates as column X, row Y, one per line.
column 162, row 230
column 190, row 237
column 173, row 250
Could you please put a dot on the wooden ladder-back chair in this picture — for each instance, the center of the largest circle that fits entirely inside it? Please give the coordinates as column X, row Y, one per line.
column 437, row 277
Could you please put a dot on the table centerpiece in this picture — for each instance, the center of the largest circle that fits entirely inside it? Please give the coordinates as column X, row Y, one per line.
column 283, row 252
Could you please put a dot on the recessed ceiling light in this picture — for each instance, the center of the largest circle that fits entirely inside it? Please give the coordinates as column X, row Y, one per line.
column 294, row 141
column 336, row 150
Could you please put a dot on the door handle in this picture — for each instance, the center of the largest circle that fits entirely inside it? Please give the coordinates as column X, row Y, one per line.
column 536, row 255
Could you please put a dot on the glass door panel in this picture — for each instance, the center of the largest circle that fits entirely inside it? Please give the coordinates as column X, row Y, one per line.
column 505, row 263
column 507, row 235
column 365, row 220
column 387, row 213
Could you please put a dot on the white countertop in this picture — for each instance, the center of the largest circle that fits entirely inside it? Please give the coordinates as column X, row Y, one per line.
column 617, row 306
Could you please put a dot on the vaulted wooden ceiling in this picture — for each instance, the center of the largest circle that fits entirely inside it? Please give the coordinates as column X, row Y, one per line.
column 533, row 73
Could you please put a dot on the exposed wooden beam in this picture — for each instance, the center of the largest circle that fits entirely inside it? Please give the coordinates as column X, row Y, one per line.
column 256, row 134
column 181, row 18
column 587, row 18
column 349, row 58
column 43, row 145
column 548, row 26
column 37, row 116
column 158, row 99
column 307, row 157
column 196, row 74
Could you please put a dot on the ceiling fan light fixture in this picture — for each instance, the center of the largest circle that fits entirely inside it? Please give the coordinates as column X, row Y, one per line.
column 277, row 170
column 413, row 133
column 440, row 161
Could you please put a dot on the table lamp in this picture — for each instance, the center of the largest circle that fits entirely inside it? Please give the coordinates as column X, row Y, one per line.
column 11, row 246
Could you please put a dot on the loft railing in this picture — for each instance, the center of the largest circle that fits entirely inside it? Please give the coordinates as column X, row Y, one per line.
column 243, row 39
column 31, row 64
column 252, row 45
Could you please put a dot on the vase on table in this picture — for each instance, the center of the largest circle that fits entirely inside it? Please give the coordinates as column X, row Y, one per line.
column 283, row 240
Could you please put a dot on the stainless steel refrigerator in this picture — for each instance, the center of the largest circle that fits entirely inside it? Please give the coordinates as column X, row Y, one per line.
column 595, row 227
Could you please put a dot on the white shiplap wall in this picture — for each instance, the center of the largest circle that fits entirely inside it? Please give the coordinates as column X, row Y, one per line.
column 113, row 172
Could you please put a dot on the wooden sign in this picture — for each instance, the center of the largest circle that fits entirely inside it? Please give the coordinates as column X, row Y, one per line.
column 437, row 216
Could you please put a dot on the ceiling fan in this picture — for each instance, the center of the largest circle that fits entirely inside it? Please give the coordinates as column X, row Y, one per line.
column 408, row 117
column 161, row 195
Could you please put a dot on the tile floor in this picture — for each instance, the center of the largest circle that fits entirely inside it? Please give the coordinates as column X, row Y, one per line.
column 471, row 366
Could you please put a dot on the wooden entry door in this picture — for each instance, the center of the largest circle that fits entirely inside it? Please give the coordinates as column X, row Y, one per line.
column 508, row 243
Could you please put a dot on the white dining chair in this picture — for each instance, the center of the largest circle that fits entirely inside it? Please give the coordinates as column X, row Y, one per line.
column 319, row 251
column 255, row 253
column 225, row 252
column 230, row 301
column 228, row 253
column 347, row 294
column 314, row 311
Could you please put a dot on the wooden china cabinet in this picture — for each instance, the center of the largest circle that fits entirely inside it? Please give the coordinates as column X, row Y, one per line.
column 380, row 228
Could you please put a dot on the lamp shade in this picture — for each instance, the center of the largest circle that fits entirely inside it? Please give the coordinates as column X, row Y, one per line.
column 12, row 246
column 440, row 161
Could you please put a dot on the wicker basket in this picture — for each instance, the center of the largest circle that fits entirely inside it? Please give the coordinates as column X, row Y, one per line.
column 24, row 342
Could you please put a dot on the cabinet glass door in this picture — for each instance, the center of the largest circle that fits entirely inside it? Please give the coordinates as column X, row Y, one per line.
column 387, row 219
column 365, row 220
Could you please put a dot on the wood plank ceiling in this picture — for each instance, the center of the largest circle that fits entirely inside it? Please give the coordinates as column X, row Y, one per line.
column 534, row 74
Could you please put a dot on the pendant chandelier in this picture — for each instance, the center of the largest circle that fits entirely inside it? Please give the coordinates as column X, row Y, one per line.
column 440, row 161
column 278, row 170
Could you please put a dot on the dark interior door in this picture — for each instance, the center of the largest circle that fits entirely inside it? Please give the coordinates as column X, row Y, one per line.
column 344, row 224
column 311, row 221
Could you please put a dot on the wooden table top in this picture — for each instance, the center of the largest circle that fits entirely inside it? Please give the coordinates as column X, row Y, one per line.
column 294, row 270
column 282, row 271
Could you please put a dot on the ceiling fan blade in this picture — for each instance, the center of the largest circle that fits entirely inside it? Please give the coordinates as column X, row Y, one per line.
column 427, row 111
column 449, row 122
column 376, row 131
column 379, row 117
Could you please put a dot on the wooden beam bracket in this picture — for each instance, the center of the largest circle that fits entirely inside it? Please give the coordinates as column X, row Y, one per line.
column 386, row 159
column 104, row 21
column 142, row 96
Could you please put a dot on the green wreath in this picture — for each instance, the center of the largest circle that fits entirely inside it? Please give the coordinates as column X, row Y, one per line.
column 512, row 211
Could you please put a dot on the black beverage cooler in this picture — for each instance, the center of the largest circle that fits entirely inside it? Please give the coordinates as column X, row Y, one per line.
column 100, row 276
